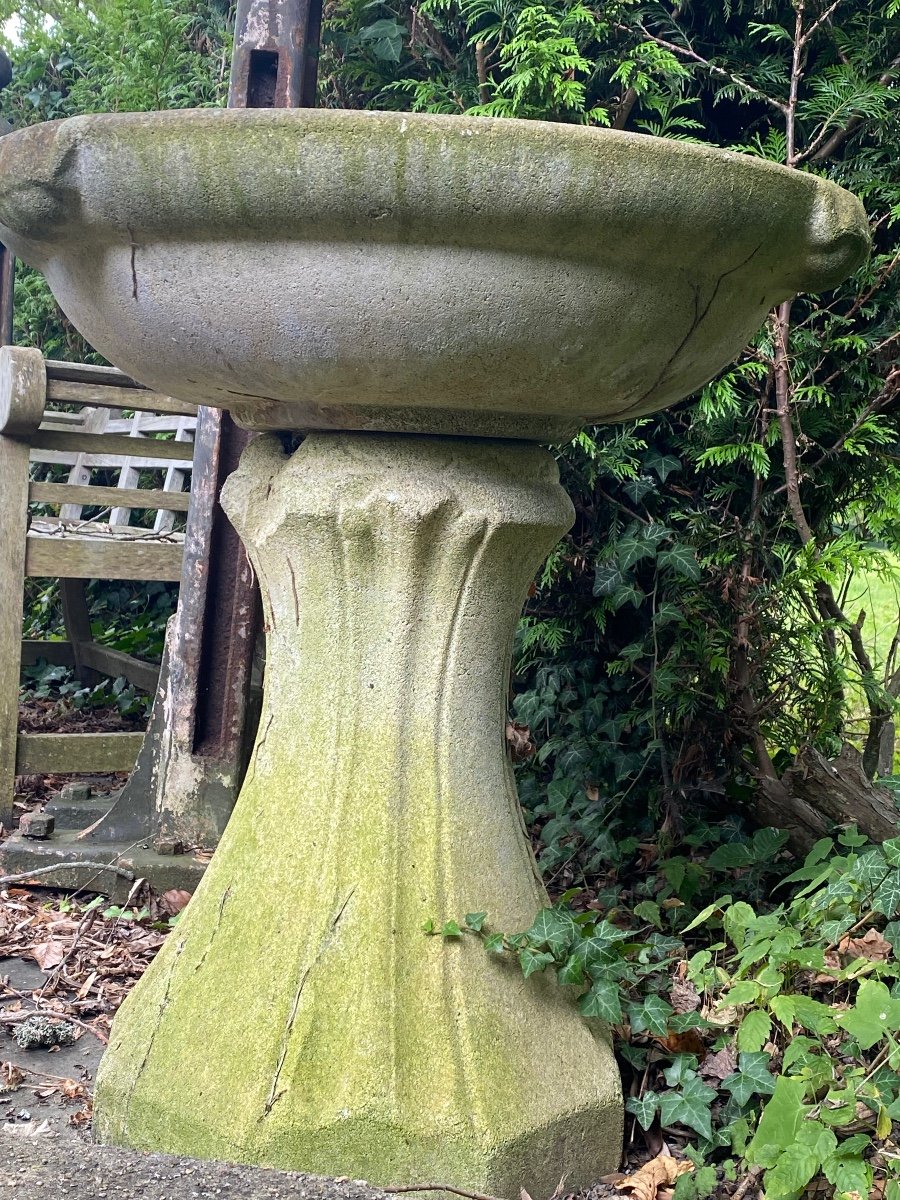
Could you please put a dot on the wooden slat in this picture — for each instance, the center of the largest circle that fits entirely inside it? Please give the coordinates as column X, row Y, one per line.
column 151, row 423
column 58, row 654
column 14, row 514
column 101, row 558
column 114, row 663
column 74, row 753
column 109, row 461
column 105, row 497
column 87, row 373
column 103, row 396
column 107, row 443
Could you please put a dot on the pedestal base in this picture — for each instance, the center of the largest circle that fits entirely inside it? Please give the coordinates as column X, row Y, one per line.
column 379, row 797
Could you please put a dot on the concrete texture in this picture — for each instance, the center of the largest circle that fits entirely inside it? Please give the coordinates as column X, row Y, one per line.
column 299, row 1016
column 40, row 1168
column 407, row 272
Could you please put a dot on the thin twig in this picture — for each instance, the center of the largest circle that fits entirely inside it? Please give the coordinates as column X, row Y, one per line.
column 747, row 1183
column 437, row 1187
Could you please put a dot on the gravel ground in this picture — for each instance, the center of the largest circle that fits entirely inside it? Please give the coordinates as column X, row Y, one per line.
column 42, row 1168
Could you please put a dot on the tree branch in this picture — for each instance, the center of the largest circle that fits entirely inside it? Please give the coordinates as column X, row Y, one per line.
column 687, row 52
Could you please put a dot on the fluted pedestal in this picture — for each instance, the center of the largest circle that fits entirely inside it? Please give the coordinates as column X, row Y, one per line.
column 298, row 1016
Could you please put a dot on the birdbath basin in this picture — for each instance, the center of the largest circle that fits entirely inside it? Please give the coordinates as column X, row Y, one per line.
column 381, row 281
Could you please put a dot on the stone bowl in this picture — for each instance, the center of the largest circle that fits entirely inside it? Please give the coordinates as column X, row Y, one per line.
column 323, row 269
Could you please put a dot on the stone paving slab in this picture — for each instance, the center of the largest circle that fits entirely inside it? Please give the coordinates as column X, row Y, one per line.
column 46, row 1168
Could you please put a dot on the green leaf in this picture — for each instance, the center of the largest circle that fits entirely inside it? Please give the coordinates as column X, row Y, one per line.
column 607, row 577
column 682, row 561
column 572, row 971
column 752, row 1078
column 662, row 464
column 493, row 943
column 887, row 896
column 450, row 929
column 631, row 550
column 706, row 913
column 555, row 929
column 533, row 960
column 791, row 1173
column 731, row 855
column 747, row 991
column 690, row 1106
column 778, row 1123
column 874, row 1013
column 753, row 1032
column 649, row 912
column 891, row 851
column 682, row 1069
column 476, row 921
column 849, row 1174
column 602, row 1001
column 655, row 1015
column 644, row 1108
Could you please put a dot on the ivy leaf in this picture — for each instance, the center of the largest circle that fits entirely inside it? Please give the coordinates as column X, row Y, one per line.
column 476, row 921
column 872, row 1016
column 644, row 1108
column 653, row 1015
column 572, row 971
column 753, row 1032
column 662, row 464
column 607, row 577
column 602, row 1001
column 682, row 560
column 555, row 929
column 887, row 896
column 533, row 960
column 752, row 1078
column 891, row 851
column 450, row 929
column 493, row 943
column 631, row 550
column 690, row 1106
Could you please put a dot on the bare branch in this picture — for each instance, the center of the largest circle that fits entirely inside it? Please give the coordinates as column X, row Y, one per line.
column 687, row 52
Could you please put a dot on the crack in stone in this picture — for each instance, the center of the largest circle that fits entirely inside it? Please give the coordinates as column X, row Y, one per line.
column 251, row 776
column 294, row 590
column 134, row 278
column 164, row 1004
column 275, row 1095
column 699, row 318
column 225, row 896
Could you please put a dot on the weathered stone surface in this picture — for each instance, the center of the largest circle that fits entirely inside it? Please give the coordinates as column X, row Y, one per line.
column 457, row 275
column 379, row 797
column 36, row 825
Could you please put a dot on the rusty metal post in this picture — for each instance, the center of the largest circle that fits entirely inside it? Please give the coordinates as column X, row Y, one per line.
column 190, row 768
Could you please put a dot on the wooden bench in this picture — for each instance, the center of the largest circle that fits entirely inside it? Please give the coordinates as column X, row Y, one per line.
column 81, row 421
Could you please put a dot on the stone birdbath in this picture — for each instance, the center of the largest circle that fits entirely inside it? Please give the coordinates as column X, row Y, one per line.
column 428, row 298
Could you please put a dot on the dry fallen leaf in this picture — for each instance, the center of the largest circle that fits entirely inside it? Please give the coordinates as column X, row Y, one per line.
column 684, row 997
column 29, row 1128
column 10, row 1077
column 518, row 741
column 173, row 901
column 48, row 955
column 872, row 946
column 719, row 1065
column 660, row 1172
column 689, row 1042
